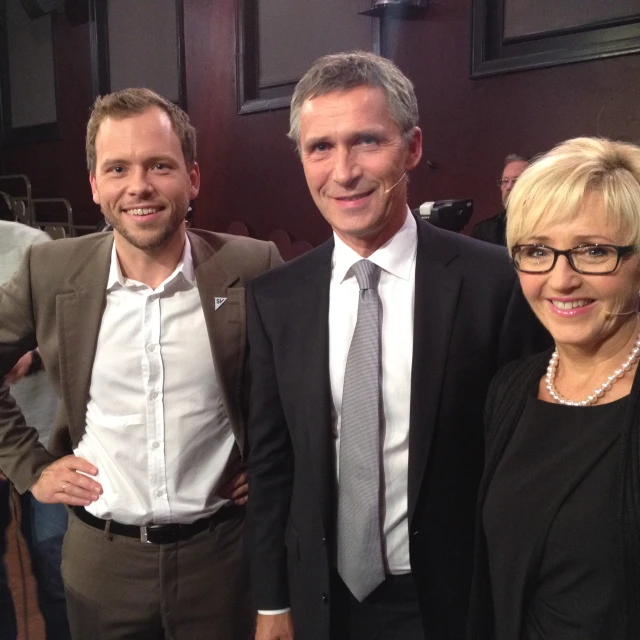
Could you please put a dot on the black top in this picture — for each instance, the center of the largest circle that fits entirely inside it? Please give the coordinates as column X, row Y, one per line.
column 492, row 229
column 554, row 496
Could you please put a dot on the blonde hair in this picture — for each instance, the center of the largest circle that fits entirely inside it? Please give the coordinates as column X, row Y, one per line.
column 553, row 188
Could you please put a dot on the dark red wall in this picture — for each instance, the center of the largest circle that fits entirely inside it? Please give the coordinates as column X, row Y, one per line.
column 57, row 168
column 250, row 172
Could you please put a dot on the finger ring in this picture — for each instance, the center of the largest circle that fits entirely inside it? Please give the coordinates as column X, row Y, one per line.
column 64, row 486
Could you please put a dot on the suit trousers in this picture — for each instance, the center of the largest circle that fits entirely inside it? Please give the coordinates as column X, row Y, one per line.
column 121, row 588
column 390, row 612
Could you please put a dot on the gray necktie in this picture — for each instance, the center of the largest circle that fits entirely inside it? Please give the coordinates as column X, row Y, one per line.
column 360, row 562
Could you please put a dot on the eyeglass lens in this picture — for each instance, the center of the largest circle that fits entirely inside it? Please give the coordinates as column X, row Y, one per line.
column 592, row 258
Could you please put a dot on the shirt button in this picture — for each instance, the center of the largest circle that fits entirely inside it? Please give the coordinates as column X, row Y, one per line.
column 153, row 395
column 159, row 493
column 151, row 347
column 156, row 445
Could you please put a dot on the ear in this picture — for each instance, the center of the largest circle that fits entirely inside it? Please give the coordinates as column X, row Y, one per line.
column 194, row 181
column 414, row 149
column 94, row 188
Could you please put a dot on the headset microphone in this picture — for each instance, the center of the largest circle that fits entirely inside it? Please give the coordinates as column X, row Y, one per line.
column 396, row 184
column 625, row 313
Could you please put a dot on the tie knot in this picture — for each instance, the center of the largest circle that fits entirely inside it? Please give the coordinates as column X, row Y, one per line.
column 367, row 274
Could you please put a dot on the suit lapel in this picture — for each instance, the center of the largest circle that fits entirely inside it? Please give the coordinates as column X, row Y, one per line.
column 79, row 313
column 311, row 313
column 223, row 305
column 436, row 298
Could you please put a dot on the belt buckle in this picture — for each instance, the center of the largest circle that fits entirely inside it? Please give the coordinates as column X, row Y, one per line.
column 159, row 533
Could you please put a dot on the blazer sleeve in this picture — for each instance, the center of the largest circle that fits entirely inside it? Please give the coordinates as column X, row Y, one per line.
column 270, row 470
column 22, row 457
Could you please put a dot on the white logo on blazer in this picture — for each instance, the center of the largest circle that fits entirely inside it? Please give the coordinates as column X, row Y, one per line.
column 219, row 302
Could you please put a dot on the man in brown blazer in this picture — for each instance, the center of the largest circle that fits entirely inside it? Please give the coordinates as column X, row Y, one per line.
column 143, row 335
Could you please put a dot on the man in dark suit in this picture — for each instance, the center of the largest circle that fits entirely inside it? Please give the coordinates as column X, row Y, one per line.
column 494, row 229
column 142, row 332
column 348, row 541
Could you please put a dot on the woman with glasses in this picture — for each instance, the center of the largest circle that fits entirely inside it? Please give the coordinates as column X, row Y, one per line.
column 558, row 539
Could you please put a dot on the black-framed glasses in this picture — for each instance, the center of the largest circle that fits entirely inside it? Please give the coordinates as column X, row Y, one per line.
column 503, row 182
column 588, row 259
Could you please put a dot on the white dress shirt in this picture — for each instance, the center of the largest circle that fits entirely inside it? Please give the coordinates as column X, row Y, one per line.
column 396, row 288
column 156, row 428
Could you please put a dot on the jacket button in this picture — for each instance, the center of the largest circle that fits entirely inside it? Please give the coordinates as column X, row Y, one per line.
column 415, row 533
column 324, row 540
column 325, row 598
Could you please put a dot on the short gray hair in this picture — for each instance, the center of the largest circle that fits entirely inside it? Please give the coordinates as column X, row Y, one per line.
column 514, row 157
column 346, row 71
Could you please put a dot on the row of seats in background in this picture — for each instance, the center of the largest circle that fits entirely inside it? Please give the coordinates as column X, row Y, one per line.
column 55, row 216
column 446, row 214
column 288, row 248
column 52, row 215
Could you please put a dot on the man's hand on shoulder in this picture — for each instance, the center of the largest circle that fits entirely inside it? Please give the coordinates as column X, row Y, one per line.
column 276, row 627
column 64, row 481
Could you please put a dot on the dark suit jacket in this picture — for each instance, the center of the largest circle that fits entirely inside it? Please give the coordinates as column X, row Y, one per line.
column 492, row 229
column 470, row 317
column 56, row 301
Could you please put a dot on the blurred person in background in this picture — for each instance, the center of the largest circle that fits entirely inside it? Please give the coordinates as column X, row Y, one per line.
column 43, row 525
column 493, row 229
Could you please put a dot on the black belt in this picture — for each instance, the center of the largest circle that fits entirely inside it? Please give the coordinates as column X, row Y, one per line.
column 160, row 533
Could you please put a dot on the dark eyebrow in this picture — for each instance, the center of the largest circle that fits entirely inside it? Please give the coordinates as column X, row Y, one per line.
column 111, row 162
column 164, row 159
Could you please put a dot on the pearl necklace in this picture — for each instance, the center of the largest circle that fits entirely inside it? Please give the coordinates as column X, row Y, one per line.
column 601, row 390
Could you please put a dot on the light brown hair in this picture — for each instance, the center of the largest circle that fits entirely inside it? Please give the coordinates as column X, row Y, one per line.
column 131, row 102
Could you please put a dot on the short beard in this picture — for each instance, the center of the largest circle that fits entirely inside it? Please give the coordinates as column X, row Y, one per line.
column 149, row 243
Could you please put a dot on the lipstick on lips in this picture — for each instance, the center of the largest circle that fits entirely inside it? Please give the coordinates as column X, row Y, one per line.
column 571, row 307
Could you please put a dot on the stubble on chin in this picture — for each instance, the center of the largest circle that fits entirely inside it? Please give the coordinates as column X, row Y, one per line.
column 148, row 241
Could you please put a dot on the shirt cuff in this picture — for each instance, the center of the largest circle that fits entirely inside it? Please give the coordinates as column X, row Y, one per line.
column 275, row 612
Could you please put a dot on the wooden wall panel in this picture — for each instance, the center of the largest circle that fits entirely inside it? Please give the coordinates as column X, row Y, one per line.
column 471, row 125
column 57, row 168
column 250, row 172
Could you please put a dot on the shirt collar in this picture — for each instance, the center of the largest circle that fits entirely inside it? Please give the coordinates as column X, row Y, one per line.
column 395, row 256
column 185, row 269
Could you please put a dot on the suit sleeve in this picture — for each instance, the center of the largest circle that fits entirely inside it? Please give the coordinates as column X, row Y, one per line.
column 521, row 333
column 270, row 470
column 22, row 457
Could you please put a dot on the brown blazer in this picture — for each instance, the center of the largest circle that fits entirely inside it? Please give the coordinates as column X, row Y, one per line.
column 56, row 301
